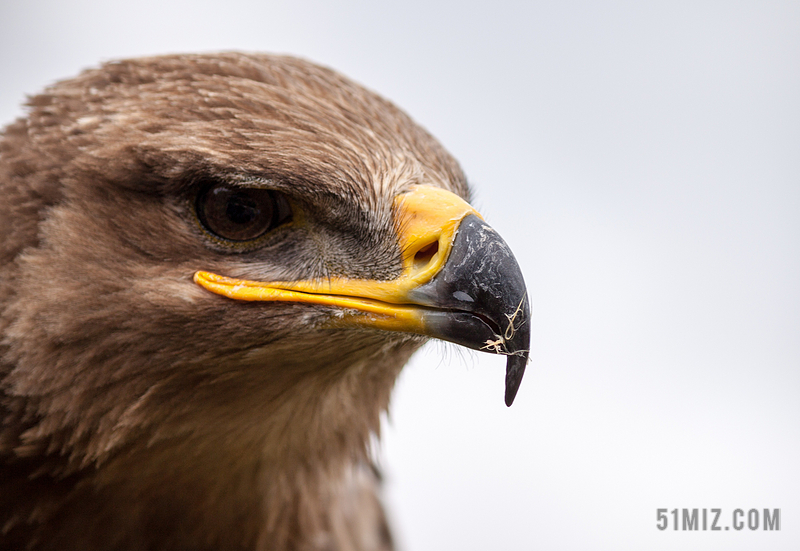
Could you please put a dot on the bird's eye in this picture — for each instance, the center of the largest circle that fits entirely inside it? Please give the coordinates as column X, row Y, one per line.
column 241, row 213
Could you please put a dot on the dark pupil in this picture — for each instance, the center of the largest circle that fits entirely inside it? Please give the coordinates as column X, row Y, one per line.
column 242, row 210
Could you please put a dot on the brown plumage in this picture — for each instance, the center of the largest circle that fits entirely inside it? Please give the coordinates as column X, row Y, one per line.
column 140, row 411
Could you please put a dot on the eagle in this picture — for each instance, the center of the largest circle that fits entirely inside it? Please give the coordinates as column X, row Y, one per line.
column 212, row 269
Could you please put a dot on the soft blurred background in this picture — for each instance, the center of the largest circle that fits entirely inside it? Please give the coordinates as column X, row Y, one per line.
column 643, row 161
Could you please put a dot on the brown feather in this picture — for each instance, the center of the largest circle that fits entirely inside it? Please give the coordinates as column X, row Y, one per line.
column 141, row 412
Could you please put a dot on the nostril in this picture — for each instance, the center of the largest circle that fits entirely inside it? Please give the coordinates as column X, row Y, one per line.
column 425, row 254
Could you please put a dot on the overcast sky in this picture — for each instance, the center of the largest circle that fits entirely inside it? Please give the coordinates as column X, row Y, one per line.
column 642, row 159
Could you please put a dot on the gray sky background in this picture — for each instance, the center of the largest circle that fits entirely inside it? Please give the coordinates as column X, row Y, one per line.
column 643, row 161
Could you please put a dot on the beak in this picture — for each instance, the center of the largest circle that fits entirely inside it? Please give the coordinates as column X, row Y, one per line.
column 460, row 283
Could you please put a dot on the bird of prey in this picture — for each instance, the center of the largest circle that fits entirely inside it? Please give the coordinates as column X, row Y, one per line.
column 212, row 269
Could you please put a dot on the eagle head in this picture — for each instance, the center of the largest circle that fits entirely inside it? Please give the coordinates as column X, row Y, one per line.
column 212, row 269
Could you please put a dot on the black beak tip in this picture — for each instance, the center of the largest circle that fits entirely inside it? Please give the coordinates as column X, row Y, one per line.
column 515, row 369
column 495, row 315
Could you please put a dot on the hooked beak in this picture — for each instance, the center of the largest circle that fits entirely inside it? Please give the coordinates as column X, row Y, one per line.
column 459, row 283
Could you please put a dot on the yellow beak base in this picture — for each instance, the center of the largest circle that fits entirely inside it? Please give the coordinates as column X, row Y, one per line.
column 427, row 219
